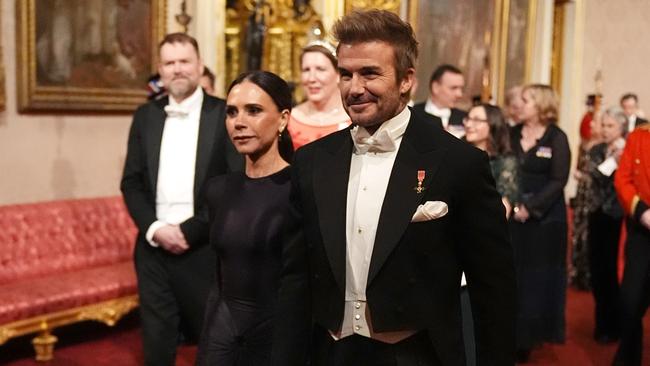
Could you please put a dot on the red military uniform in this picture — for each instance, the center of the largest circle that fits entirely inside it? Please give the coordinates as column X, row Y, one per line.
column 632, row 182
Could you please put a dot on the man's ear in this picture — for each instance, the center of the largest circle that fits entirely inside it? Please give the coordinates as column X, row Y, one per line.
column 201, row 67
column 434, row 88
column 407, row 81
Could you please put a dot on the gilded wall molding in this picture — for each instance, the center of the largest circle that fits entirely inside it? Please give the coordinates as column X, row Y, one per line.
column 390, row 5
column 269, row 35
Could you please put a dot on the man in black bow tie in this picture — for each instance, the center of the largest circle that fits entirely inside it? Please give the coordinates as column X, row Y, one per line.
column 175, row 145
column 393, row 210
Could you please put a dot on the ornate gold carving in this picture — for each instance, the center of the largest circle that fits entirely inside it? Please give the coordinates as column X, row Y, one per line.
column 109, row 312
column 5, row 334
column 183, row 18
column 390, row 5
column 287, row 28
column 233, row 61
column 44, row 345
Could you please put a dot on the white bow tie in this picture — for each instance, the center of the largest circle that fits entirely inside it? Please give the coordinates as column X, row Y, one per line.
column 379, row 142
column 176, row 111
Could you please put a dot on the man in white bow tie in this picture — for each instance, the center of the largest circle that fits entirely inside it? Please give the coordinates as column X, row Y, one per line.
column 446, row 85
column 176, row 144
column 393, row 210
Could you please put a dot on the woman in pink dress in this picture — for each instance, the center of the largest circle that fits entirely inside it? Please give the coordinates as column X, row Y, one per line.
column 322, row 112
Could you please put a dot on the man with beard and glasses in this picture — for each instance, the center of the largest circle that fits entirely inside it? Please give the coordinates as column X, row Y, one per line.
column 393, row 210
column 176, row 144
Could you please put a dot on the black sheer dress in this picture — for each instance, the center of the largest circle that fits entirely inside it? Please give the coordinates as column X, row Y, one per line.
column 250, row 220
column 540, row 244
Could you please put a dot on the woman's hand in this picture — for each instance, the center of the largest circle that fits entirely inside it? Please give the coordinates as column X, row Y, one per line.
column 521, row 213
column 578, row 174
column 508, row 207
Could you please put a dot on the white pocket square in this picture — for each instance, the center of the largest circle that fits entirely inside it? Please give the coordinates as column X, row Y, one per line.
column 430, row 210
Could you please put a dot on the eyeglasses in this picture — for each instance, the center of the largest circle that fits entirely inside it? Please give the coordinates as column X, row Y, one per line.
column 467, row 120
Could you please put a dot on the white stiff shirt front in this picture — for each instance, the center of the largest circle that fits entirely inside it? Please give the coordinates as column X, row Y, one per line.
column 176, row 166
column 369, row 176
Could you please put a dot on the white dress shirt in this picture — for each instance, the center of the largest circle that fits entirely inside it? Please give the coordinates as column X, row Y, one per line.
column 369, row 176
column 631, row 123
column 175, row 186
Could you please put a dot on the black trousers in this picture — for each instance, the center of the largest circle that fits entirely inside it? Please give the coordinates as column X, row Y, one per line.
column 355, row 350
column 173, row 291
column 604, row 234
column 635, row 291
column 468, row 327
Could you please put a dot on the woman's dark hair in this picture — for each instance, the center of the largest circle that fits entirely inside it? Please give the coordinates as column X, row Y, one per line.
column 499, row 140
column 280, row 93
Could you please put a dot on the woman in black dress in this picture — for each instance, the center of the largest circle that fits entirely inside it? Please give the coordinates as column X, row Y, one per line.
column 539, row 222
column 250, row 222
column 605, row 218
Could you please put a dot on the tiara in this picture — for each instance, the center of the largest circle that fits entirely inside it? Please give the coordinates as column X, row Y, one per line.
column 326, row 45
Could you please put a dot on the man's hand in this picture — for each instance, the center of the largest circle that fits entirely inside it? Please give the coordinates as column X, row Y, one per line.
column 171, row 238
column 645, row 219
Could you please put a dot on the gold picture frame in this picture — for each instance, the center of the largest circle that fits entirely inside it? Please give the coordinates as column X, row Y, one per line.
column 3, row 90
column 506, row 41
column 79, row 55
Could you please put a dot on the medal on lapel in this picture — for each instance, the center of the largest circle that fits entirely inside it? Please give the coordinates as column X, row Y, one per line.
column 421, row 175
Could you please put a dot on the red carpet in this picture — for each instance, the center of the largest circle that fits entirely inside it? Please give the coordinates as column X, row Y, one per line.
column 97, row 345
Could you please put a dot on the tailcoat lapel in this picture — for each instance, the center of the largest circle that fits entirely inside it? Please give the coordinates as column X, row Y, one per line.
column 420, row 150
column 330, row 185
column 208, row 122
column 156, row 124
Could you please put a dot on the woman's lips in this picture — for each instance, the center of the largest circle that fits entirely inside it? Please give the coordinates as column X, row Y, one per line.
column 242, row 138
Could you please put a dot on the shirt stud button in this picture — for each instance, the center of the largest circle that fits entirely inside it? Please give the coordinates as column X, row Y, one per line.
column 357, row 327
column 357, row 317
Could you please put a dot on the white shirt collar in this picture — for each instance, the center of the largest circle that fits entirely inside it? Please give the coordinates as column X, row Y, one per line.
column 190, row 103
column 431, row 108
column 394, row 127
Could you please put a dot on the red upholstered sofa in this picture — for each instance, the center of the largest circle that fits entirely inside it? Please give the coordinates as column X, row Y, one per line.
column 64, row 262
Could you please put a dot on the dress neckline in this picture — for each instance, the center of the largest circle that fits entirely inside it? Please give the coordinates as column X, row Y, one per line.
column 280, row 172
